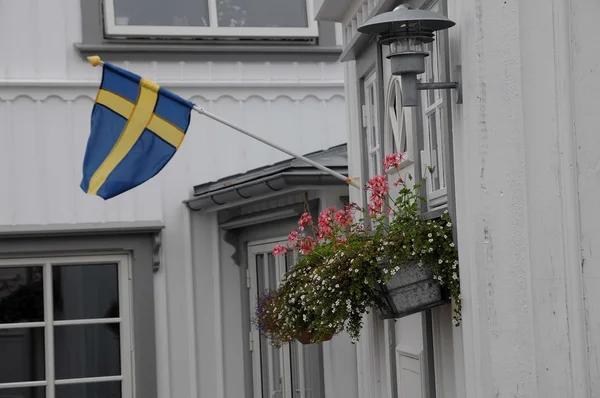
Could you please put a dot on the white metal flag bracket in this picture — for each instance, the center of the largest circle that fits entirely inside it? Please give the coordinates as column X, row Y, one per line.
column 347, row 180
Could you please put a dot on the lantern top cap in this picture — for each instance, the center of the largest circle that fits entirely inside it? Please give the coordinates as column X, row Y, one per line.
column 390, row 21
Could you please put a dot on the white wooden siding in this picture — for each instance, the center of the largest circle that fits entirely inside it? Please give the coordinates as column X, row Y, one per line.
column 46, row 97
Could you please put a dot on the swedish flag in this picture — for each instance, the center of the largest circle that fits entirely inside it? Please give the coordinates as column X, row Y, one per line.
column 136, row 128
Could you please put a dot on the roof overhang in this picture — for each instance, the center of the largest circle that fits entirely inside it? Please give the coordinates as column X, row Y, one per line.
column 279, row 179
column 333, row 10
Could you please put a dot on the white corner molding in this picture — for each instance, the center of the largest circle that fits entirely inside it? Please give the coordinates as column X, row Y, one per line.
column 571, row 228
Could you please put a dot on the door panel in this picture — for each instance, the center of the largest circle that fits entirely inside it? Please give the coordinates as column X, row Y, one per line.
column 294, row 370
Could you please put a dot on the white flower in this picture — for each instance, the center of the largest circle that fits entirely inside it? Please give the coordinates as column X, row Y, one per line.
column 449, row 224
column 429, row 235
column 452, row 244
column 430, row 240
column 440, row 261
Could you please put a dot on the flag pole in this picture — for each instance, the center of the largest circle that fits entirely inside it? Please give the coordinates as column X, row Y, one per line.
column 347, row 180
column 95, row 61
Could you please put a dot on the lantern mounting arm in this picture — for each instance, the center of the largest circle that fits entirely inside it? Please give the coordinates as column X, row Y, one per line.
column 437, row 86
column 445, row 85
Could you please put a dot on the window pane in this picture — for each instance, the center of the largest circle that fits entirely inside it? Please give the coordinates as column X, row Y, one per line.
column 373, row 122
column 86, row 351
column 86, row 291
column 270, row 364
column 307, row 371
column 314, row 382
column 23, row 392
column 22, row 355
column 433, row 174
column 21, row 295
column 441, row 156
column 262, row 13
column 161, row 12
column 90, row 390
column 430, row 73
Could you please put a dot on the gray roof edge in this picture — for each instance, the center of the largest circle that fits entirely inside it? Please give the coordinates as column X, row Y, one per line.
column 282, row 182
column 82, row 229
column 282, row 176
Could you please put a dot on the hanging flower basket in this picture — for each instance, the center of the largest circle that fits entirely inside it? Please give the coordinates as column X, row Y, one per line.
column 411, row 290
column 308, row 338
column 402, row 265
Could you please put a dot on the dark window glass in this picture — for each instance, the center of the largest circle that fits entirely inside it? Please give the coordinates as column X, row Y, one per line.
column 89, row 390
column 86, row 351
column 86, row 291
column 23, row 392
column 21, row 295
column 161, row 12
column 22, row 355
column 262, row 13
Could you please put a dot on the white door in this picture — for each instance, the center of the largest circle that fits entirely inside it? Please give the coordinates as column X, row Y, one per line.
column 294, row 370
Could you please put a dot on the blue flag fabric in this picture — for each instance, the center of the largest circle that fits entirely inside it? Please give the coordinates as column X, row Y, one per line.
column 136, row 128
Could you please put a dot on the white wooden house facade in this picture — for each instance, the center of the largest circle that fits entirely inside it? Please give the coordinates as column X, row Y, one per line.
column 138, row 296
column 150, row 294
column 515, row 155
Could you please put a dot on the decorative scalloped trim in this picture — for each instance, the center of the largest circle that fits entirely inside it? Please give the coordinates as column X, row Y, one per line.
column 212, row 94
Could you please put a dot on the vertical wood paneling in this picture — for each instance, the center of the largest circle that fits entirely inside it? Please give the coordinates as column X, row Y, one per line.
column 311, row 118
column 586, row 92
column 260, row 121
column 6, row 164
column 21, row 62
column 27, row 177
column 50, row 43
column 55, row 145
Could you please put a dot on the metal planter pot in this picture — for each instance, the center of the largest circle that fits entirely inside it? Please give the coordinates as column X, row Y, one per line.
column 411, row 290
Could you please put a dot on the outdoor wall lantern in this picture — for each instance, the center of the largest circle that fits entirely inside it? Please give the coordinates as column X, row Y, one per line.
column 406, row 31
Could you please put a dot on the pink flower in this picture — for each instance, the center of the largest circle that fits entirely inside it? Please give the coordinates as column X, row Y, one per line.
column 305, row 220
column 308, row 245
column 280, row 250
column 344, row 217
column 393, row 160
column 325, row 228
column 293, row 237
column 400, row 181
column 375, row 206
column 379, row 187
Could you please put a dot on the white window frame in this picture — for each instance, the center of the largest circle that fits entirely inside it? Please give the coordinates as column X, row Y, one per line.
column 370, row 118
column 125, row 319
column 399, row 127
column 212, row 31
column 254, row 249
column 434, row 158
